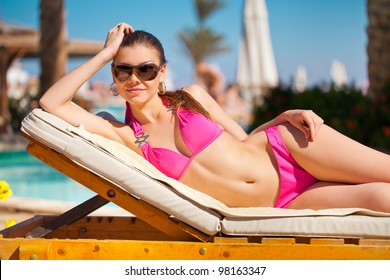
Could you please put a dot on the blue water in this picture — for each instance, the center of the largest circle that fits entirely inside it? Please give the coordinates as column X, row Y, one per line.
column 29, row 177
column 117, row 111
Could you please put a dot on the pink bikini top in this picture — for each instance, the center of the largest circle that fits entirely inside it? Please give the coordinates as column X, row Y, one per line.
column 197, row 133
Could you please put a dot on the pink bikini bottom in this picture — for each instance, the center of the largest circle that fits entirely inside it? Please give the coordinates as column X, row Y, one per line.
column 294, row 180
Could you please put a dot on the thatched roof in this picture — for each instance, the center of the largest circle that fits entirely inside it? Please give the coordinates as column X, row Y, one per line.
column 25, row 41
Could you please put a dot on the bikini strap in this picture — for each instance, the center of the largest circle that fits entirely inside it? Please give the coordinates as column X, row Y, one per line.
column 137, row 128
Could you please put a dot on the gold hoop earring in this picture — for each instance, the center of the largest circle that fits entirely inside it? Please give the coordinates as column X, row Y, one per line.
column 114, row 89
column 161, row 88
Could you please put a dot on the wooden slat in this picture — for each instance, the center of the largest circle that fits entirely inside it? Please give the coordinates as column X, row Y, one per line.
column 119, row 228
column 58, row 249
column 9, row 248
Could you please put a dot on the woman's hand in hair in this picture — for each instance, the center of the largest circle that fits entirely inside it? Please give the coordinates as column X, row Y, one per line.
column 115, row 36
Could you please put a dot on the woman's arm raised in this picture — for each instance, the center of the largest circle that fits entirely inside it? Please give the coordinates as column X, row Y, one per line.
column 57, row 100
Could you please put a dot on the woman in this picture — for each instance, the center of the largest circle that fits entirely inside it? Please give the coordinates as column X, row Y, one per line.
column 293, row 161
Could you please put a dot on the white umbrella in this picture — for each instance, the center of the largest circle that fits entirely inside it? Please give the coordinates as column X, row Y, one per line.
column 17, row 80
column 256, row 64
column 300, row 79
column 338, row 73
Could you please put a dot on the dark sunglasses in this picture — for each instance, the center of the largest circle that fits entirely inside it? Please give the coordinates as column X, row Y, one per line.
column 144, row 72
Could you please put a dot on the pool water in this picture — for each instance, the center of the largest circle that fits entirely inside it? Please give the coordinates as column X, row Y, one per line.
column 31, row 178
column 117, row 111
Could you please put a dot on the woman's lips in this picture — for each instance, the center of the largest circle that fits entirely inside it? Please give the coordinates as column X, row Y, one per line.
column 134, row 90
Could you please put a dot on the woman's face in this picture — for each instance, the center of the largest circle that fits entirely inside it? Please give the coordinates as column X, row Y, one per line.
column 138, row 72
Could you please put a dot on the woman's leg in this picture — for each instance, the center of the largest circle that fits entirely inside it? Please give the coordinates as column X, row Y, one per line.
column 322, row 195
column 333, row 157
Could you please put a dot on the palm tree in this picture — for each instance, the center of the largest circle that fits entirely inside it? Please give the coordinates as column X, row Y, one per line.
column 53, row 52
column 378, row 46
column 203, row 42
column 379, row 67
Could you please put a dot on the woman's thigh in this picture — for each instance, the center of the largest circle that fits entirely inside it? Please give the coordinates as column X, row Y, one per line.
column 323, row 195
column 336, row 158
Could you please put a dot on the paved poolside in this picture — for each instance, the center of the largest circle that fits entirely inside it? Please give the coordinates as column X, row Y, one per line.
column 12, row 143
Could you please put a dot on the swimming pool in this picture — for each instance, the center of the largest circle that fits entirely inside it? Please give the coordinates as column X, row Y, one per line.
column 118, row 111
column 31, row 178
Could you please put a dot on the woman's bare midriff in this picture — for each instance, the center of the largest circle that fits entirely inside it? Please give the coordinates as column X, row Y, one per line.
column 239, row 174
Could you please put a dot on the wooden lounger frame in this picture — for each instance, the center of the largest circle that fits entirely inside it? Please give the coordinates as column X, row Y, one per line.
column 152, row 233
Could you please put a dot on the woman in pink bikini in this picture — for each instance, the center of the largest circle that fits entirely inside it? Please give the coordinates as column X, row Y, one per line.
column 294, row 161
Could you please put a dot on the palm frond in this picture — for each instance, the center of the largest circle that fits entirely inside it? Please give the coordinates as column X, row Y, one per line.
column 205, row 8
column 202, row 43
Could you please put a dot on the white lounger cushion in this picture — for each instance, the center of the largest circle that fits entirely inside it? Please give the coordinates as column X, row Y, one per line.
column 132, row 172
column 357, row 226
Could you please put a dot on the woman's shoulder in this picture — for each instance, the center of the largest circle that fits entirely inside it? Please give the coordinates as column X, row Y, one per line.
column 198, row 93
column 194, row 89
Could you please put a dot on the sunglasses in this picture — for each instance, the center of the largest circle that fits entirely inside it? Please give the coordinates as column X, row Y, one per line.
column 144, row 72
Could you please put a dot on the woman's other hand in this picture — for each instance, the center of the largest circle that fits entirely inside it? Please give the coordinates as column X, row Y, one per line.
column 306, row 121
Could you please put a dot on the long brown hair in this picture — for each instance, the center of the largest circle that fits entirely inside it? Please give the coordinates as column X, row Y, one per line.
column 182, row 99
column 176, row 99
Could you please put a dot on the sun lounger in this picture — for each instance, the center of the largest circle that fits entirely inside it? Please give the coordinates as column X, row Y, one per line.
column 168, row 219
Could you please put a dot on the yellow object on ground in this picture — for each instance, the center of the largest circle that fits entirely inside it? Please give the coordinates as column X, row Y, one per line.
column 10, row 223
column 5, row 190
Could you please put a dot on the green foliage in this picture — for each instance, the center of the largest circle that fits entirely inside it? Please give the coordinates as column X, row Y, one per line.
column 347, row 110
